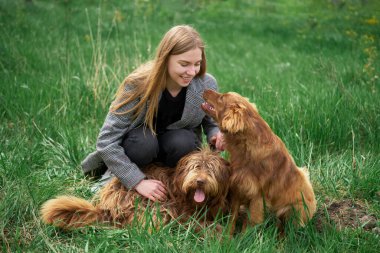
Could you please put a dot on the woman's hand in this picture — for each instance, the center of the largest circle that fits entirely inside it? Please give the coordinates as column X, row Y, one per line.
column 218, row 141
column 152, row 189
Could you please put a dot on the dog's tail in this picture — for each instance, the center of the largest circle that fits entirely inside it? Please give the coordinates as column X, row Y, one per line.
column 71, row 212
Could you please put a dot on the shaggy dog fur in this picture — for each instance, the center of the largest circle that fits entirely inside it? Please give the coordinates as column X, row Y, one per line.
column 264, row 175
column 198, row 184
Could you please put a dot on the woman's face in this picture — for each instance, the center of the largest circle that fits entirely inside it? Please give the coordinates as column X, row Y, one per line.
column 182, row 68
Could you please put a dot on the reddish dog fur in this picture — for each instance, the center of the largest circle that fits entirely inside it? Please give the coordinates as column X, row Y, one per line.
column 263, row 172
column 198, row 184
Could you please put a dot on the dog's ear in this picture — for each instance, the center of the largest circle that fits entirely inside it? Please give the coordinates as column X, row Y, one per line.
column 233, row 118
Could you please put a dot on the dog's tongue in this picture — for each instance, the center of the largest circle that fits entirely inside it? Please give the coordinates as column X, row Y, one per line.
column 199, row 195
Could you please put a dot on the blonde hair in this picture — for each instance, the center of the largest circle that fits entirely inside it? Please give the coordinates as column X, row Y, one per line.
column 149, row 80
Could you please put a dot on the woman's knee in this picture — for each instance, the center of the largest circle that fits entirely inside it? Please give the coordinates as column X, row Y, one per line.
column 141, row 146
column 178, row 143
column 181, row 139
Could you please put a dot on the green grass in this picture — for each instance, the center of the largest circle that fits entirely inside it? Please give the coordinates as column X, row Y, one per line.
column 312, row 68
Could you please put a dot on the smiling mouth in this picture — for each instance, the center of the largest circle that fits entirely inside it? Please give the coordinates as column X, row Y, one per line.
column 187, row 79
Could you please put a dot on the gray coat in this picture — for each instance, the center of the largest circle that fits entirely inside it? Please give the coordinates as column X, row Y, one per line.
column 109, row 150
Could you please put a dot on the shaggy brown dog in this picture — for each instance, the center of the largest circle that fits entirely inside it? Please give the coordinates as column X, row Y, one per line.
column 264, row 175
column 198, row 184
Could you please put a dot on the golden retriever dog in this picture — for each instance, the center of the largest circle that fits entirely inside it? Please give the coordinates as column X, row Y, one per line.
column 264, row 174
column 197, row 188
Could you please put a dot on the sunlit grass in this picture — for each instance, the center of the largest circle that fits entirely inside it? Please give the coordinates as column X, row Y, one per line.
column 311, row 68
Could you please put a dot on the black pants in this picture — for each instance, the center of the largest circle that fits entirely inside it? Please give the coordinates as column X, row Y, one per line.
column 142, row 147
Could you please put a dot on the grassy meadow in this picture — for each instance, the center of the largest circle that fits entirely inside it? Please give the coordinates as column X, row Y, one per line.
column 311, row 67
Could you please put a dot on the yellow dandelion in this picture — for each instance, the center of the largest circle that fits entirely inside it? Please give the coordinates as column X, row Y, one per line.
column 372, row 21
column 369, row 38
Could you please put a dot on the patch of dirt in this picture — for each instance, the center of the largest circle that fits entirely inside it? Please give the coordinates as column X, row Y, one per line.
column 346, row 214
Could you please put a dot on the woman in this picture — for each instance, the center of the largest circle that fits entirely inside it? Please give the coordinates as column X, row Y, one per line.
column 157, row 114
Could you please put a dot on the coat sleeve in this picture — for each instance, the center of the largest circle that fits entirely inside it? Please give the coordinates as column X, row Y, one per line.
column 210, row 128
column 112, row 153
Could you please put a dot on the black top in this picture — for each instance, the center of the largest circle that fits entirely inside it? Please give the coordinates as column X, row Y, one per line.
column 169, row 109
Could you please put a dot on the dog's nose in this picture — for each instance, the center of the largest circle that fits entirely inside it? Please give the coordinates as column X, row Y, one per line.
column 200, row 182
